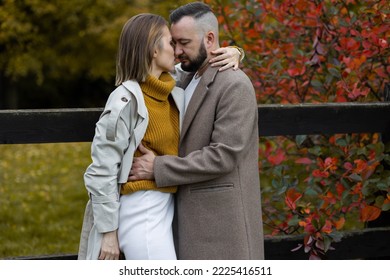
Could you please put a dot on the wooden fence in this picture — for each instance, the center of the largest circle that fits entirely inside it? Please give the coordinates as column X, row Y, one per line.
column 77, row 125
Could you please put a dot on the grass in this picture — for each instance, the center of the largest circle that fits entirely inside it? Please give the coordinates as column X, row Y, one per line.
column 42, row 198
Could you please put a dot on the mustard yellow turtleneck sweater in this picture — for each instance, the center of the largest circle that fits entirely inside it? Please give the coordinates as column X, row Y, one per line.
column 162, row 134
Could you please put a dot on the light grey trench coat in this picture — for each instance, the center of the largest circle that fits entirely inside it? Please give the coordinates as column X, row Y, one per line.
column 118, row 133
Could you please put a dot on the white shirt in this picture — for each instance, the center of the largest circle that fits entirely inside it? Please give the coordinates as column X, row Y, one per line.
column 189, row 91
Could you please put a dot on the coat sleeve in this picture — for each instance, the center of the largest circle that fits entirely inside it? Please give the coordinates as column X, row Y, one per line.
column 234, row 124
column 110, row 142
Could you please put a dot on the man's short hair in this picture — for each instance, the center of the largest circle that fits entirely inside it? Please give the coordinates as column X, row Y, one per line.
column 195, row 10
column 201, row 13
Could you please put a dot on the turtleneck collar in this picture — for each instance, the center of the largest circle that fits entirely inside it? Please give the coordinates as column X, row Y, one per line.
column 158, row 88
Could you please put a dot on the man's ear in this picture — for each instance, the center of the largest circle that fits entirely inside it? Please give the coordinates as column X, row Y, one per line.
column 210, row 39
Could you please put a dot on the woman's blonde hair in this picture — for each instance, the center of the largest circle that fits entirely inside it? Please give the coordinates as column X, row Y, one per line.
column 140, row 37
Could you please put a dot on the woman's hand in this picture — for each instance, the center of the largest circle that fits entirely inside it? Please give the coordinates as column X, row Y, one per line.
column 110, row 246
column 226, row 58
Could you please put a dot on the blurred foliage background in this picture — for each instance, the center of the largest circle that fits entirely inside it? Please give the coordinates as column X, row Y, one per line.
column 61, row 54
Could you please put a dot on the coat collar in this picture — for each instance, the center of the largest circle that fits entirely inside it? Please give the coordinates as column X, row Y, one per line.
column 198, row 97
column 135, row 89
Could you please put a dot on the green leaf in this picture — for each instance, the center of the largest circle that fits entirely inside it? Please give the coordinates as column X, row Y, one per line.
column 294, row 221
column 299, row 139
column 335, row 72
column 386, row 207
column 382, row 186
column 315, row 224
column 379, row 201
column 336, row 236
column 355, row 177
column 342, row 142
column 327, row 243
column 276, row 184
column 316, row 84
column 316, row 150
column 311, row 192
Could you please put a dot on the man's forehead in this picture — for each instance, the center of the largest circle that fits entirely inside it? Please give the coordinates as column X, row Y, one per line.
column 186, row 20
column 184, row 29
column 185, row 23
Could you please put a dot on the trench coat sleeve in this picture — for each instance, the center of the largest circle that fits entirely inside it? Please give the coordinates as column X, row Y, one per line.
column 235, row 116
column 101, row 177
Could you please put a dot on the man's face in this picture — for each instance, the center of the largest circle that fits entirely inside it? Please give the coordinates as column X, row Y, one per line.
column 189, row 45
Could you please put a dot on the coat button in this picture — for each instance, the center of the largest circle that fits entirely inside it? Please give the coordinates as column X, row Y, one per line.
column 124, row 99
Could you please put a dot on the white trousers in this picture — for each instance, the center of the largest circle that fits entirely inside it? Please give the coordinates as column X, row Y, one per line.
column 145, row 226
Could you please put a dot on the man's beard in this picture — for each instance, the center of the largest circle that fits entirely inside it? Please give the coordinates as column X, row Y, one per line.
column 194, row 64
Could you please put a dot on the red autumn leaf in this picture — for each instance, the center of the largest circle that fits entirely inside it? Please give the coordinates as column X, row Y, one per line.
column 369, row 213
column 350, row 44
column 360, row 166
column 366, row 173
column 330, row 198
column 277, row 158
column 320, row 174
column 331, row 163
column 340, row 223
column 294, row 72
column 357, row 189
column 292, row 196
column 327, row 228
column 303, row 161
column 339, row 189
column 348, row 166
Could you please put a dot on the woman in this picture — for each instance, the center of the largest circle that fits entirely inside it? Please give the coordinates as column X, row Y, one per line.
column 145, row 106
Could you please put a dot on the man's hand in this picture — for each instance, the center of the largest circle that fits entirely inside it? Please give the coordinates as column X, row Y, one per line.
column 226, row 58
column 142, row 168
column 110, row 246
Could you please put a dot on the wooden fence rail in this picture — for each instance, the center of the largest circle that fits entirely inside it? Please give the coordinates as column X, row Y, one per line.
column 77, row 125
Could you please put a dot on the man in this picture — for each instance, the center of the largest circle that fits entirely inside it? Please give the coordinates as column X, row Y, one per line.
column 218, row 199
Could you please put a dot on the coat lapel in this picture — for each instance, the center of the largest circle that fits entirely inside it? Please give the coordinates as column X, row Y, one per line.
column 178, row 97
column 197, row 98
column 142, row 111
column 135, row 89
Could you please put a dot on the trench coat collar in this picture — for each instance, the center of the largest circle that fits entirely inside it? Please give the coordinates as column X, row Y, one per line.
column 198, row 97
column 135, row 89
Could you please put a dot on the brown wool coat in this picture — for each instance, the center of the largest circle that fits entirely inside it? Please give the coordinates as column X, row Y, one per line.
column 218, row 200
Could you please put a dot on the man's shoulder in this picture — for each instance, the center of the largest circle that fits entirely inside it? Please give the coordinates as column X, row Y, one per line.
column 235, row 86
column 236, row 78
column 231, row 75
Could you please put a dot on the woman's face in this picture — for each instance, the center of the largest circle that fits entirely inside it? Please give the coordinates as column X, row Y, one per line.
column 164, row 57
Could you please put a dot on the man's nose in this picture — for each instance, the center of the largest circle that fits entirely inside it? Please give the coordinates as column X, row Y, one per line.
column 178, row 51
